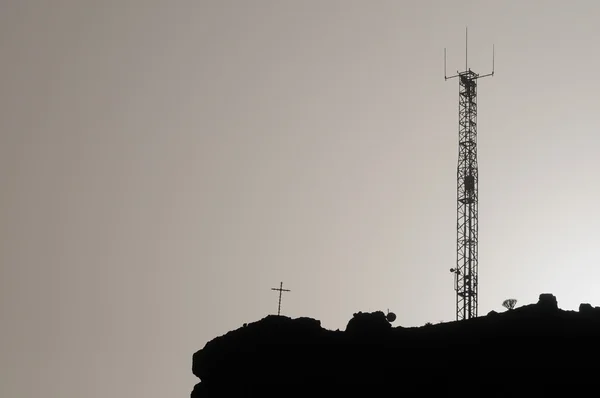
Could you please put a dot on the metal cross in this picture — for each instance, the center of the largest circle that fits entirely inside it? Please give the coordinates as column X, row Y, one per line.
column 280, row 290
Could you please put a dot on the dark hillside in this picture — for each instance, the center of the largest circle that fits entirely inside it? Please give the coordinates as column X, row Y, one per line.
column 531, row 350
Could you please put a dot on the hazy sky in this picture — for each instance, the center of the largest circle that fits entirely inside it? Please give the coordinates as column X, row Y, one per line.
column 164, row 164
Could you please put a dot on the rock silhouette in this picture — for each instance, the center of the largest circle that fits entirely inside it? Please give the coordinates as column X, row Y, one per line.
column 528, row 346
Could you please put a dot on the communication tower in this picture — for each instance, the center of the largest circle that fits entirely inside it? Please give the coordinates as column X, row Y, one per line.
column 465, row 273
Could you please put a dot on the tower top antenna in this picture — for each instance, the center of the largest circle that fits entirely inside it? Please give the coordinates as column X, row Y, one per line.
column 476, row 76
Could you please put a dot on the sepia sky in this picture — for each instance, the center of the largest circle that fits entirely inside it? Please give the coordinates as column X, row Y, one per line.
column 164, row 164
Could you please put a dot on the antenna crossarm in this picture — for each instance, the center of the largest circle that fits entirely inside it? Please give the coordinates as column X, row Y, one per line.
column 482, row 76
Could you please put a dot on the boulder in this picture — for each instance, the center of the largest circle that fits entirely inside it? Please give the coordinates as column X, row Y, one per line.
column 368, row 323
column 547, row 302
column 586, row 308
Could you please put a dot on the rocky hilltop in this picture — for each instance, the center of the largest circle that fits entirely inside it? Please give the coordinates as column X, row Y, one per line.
column 531, row 350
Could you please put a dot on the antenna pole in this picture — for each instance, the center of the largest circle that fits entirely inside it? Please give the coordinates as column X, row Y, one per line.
column 467, row 225
column 445, row 64
column 493, row 58
column 466, row 47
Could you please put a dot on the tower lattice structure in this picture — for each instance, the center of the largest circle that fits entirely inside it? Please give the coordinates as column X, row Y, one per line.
column 467, row 225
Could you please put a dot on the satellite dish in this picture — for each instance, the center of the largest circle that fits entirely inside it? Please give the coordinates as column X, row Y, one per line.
column 391, row 317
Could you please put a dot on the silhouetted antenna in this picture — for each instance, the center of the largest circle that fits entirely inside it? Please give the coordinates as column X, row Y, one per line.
column 391, row 317
column 280, row 290
column 509, row 303
column 467, row 61
column 465, row 273
column 493, row 58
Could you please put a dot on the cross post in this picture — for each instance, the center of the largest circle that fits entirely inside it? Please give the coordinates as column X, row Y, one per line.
column 280, row 290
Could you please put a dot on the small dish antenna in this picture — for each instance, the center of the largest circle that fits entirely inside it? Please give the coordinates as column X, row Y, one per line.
column 391, row 317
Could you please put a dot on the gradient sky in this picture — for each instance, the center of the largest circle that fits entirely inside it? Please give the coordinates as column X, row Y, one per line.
column 164, row 164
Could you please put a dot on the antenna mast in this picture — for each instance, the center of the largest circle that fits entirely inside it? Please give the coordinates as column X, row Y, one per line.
column 465, row 273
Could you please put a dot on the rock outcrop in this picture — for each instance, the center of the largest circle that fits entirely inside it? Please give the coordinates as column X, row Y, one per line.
column 515, row 353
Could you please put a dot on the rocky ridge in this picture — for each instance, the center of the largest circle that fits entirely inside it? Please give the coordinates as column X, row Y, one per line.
column 467, row 358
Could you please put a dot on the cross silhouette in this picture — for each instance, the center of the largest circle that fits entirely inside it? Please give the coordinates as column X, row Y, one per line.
column 280, row 290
